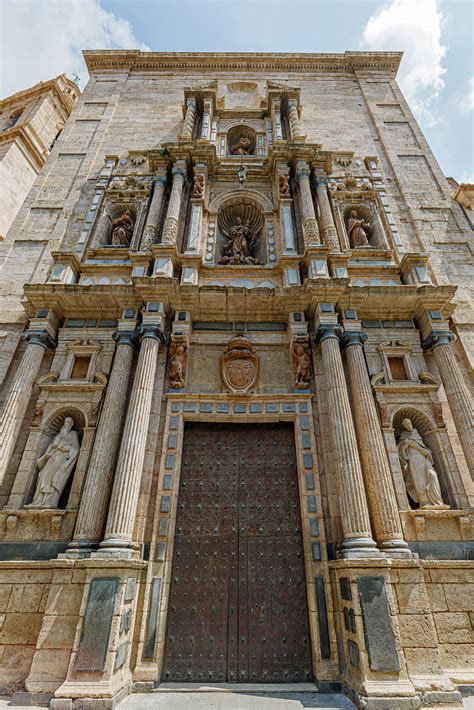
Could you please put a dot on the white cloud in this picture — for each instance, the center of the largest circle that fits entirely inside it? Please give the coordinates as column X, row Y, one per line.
column 44, row 38
column 414, row 26
column 467, row 102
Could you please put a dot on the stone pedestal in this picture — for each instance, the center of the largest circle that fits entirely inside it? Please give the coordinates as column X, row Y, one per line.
column 170, row 229
column 17, row 401
column 310, row 225
column 377, row 476
column 358, row 540
column 459, row 398
column 123, row 504
column 92, row 512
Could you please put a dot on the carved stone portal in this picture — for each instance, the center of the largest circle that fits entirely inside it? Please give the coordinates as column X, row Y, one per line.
column 421, row 479
column 239, row 365
column 55, row 466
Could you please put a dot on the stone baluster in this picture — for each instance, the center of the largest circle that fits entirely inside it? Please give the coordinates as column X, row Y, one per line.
column 327, row 220
column 355, row 519
column 17, row 401
column 376, row 469
column 189, row 119
column 150, row 233
column 170, row 229
column 294, row 120
column 124, row 500
column 310, row 225
column 457, row 393
column 93, row 508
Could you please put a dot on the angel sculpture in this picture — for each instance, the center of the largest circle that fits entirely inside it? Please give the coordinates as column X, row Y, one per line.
column 178, row 363
column 198, row 188
column 301, row 362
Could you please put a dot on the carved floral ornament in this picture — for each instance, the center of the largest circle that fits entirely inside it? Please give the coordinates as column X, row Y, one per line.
column 239, row 365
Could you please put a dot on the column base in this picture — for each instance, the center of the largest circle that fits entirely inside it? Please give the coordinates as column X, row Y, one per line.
column 396, row 548
column 79, row 549
column 359, row 548
column 111, row 547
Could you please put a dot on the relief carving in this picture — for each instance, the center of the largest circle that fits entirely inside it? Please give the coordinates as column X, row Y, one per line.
column 416, row 460
column 178, row 355
column 198, row 189
column 284, row 185
column 240, row 243
column 239, row 365
column 55, row 466
column 301, row 365
column 242, row 147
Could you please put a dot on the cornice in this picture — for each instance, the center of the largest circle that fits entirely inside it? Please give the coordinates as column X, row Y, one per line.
column 56, row 85
column 135, row 60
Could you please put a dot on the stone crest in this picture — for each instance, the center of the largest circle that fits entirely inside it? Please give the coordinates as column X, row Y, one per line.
column 239, row 365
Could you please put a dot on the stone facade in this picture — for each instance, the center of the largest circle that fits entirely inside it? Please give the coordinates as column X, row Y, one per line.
column 30, row 123
column 237, row 239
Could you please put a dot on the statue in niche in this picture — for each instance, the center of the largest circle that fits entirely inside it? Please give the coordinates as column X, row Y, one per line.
column 357, row 229
column 55, row 466
column 421, row 479
column 301, row 362
column 198, row 189
column 241, row 239
column 178, row 362
column 242, row 147
column 284, row 185
column 122, row 230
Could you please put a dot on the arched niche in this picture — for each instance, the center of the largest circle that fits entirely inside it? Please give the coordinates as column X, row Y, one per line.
column 437, row 440
column 241, row 140
column 112, row 211
column 367, row 212
column 49, row 429
column 241, row 210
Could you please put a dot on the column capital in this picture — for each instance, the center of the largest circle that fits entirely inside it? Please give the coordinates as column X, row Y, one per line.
column 40, row 337
column 150, row 330
column 191, row 101
column 328, row 330
column 178, row 172
column 320, row 181
column 160, row 181
column 355, row 337
column 126, row 337
column 302, row 172
column 436, row 338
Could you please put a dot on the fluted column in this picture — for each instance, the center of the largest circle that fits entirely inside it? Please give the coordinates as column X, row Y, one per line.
column 310, row 225
column 150, row 233
column 170, row 229
column 93, row 508
column 189, row 119
column 206, row 120
column 294, row 120
column 457, row 393
column 376, row 469
column 123, row 504
column 327, row 220
column 355, row 520
column 18, row 398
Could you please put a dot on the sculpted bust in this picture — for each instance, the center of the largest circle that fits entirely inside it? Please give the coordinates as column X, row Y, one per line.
column 55, row 466
column 421, row 479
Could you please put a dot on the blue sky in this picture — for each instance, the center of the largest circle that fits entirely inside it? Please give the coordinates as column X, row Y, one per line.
column 42, row 38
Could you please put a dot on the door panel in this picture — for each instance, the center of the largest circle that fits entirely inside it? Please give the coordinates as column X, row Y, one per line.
column 237, row 607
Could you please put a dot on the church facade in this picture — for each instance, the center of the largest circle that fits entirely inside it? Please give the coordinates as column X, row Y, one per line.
column 236, row 417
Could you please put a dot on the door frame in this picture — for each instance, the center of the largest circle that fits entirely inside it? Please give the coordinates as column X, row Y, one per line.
column 259, row 409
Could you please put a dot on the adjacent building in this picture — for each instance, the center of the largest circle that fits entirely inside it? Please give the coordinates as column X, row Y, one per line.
column 236, row 434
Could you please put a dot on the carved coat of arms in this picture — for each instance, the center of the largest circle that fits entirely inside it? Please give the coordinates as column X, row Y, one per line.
column 239, row 365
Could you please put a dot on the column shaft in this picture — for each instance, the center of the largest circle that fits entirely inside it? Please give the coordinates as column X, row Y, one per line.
column 91, row 517
column 102, row 231
column 327, row 220
column 126, row 488
column 358, row 540
column 170, row 229
column 18, row 399
column 459, row 399
column 376, row 470
column 310, row 225
column 189, row 119
column 150, row 233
